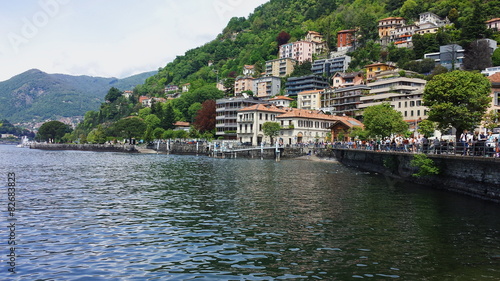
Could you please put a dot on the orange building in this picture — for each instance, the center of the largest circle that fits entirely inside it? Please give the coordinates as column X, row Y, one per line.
column 345, row 38
column 385, row 26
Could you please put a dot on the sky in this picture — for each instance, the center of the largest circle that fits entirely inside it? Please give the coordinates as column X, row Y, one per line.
column 110, row 38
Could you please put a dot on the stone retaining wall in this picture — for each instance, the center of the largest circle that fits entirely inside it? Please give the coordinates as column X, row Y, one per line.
column 474, row 176
column 84, row 147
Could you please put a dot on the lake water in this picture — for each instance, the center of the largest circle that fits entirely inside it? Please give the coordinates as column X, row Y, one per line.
column 113, row 216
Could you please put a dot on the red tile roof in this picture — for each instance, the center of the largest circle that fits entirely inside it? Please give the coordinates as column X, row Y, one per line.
column 263, row 107
column 495, row 77
column 282, row 98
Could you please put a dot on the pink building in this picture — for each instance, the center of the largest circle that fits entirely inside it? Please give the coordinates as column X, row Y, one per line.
column 242, row 84
column 300, row 51
column 494, row 24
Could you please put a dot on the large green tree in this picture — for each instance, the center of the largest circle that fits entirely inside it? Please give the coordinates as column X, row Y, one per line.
column 271, row 129
column 129, row 128
column 383, row 121
column 52, row 131
column 457, row 99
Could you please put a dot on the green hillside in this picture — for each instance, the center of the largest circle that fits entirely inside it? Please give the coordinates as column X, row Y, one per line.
column 36, row 95
column 252, row 40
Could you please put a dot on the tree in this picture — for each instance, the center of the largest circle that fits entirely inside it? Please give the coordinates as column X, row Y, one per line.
column 97, row 135
column 271, row 129
column 52, row 131
column 382, row 121
column 477, row 55
column 496, row 57
column 113, row 94
column 282, row 38
column 426, row 127
column 205, row 118
column 129, row 128
column 457, row 99
column 491, row 120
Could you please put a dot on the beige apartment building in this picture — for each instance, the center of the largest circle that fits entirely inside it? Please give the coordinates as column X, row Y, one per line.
column 280, row 67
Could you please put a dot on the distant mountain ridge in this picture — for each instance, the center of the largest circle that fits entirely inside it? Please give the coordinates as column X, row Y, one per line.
column 36, row 96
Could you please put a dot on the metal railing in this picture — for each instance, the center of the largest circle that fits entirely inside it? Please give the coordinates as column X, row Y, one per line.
column 478, row 148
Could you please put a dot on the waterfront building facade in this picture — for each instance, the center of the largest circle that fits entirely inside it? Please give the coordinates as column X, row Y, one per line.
column 250, row 120
column 227, row 113
column 311, row 126
column 495, row 92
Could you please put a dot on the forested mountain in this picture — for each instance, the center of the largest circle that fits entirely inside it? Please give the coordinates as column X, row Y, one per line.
column 252, row 40
column 36, row 95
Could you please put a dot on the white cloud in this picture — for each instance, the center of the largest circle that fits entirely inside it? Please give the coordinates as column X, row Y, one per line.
column 107, row 38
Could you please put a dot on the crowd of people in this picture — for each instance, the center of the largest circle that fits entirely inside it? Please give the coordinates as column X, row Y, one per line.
column 477, row 144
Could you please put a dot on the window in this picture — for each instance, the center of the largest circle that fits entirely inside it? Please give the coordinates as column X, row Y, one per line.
column 497, row 98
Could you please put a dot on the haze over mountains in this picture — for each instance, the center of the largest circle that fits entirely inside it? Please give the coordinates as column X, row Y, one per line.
column 37, row 96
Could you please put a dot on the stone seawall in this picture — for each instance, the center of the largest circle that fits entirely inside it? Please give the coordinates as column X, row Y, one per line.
column 233, row 152
column 84, row 147
column 474, row 176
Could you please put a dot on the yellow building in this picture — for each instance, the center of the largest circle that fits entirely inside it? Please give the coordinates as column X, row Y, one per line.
column 373, row 69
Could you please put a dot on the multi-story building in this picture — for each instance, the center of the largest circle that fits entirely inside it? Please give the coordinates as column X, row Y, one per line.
column 495, row 92
column 311, row 126
column 345, row 38
column 316, row 38
column 242, row 84
column 330, row 66
column 227, row 114
column 248, row 70
column 491, row 70
column 297, row 125
column 403, row 93
column 373, row 70
column 493, row 24
column 450, row 56
column 250, row 120
column 387, row 25
column 341, row 79
column 280, row 67
column 281, row 101
column 344, row 100
column 171, row 88
column 309, row 99
column 430, row 23
column 295, row 85
column 300, row 51
column 267, row 86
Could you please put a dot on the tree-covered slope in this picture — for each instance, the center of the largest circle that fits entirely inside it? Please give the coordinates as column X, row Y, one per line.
column 36, row 95
column 252, row 40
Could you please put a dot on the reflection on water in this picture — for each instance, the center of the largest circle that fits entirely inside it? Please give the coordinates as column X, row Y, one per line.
column 110, row 216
